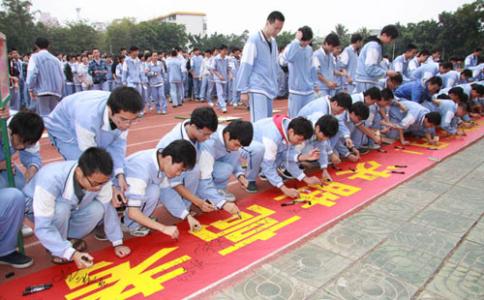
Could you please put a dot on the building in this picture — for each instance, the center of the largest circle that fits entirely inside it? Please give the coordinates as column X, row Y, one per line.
column 195, row 22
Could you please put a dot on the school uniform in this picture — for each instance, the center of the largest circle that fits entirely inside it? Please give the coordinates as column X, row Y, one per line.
column 411, row 120
column 154, row 73
column 425, row 72
column 12, row 209
column 400, row 64
column 369, row 69
column 324, row 63
column 348, row 61
column 449, row 79
column 447, row 109
column 221, row 66
column 175, row 77
column 471, row 61
column 196, row 67
column 98, row 71
column 416, row 91
column 132, row 73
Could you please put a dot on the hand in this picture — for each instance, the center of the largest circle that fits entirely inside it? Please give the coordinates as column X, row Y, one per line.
column 33, row 96
column 171, row 231
column 311, row 180
column 349, row 143
column 221, row 77
column 122, row 251
column 82, row 259
column 244, row 98
column 353, row 158
column 206, row 206
column 243, row 181
column 349, row 79
column 312, row 155
column 5, row 113
column 332, row 84
column 335, row 159
column 325, row 177
column 3, row 166
column 118, row 198
column 231, row 208
column 290, row 192
column 29, row 173
column 194, row 224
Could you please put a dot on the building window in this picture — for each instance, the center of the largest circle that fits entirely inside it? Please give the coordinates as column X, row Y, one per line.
column 172, row 18
column 204, row 26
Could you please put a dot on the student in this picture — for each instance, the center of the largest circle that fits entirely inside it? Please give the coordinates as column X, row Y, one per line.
column 96, row 119
column 204, row 88
column 393, row 82
column 234, row 63
column 175, row 77
column 98, row 71
column 369, row 69
column 298, row 56
column 109, row 74
column 221, row 154
column 183, row 194
column 147, row 172
column 24, row 131
column 257, row 78
column 349, row 60
column 472, row 59
column 132, row 72
column 118, row 78
column 477, row 98
column 449, row 78
column 154, row 73
column 379, row 112
column 400, row 63
column 67, row 200
column 196, row 70
column 83, row 73
column 354, row 123
column 415, row 119
column 419, row 91
column 417, row 61
column 450, row 112
column 325, row 128
column 428, row 70
column 69, row 77
column 434, row 57
column 221, row 74
column 45, row 78
column 324, row 62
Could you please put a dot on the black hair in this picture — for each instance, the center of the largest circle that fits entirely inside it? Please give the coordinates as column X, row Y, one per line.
column 204, row 117
column 435, row 80
column 478, row 49
column 467, row 73
column 28, row 126
column 181, row 151
column 387, row 94
column 465, row 106
column 174, row 53
column 373, row 92
column 307, row 33
column 301, row 126
column 222, row 47
column 356, row 37
column 196, row 49
column 447, row 65
column 208, row 51
column 361, row 110
column 478, row 88
column 424, row 52
column 434, row 118
column 125, row 98
column 242, row 131
column 332, row 39
column 410, row 47
column 391, row 31
column 42, row 43
column 328, row 125
column 133, row 48
column 96, row 160
column 443, row 97
column 457, row 90
column 397, row 78
column 343, row 100
column 275, row 15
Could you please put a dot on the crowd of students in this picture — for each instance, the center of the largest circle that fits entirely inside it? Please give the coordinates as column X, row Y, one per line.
column 341, row 104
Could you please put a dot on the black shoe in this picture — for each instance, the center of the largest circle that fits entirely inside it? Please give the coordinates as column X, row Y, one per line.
column 99, row 233
column 262, row 177
column 251, row 188
column 284, row 173
column 16, row 260
column 363, row 151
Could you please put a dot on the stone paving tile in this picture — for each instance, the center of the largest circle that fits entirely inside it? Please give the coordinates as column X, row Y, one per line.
column 425, row 238
column 475, row 179
column 428, row 295
column 269, row 283
column 450, row 171
column 395, row 206
column 372, row 223
column 462, row 201
column 409, row 264
column 470, row 255
column 347, row 240
column 311, row 264
column 426, row 185
column 458, row 282
column 477, row 233
column 323, row 294
column 364, row 281
column 443, row 220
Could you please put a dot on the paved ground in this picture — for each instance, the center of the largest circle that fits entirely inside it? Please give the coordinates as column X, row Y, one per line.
column 423, row 240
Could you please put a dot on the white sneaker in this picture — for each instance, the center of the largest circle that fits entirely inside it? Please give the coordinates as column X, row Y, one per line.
column 374, row 146
column 229, row 197
column 26, row 231
column 137, row 232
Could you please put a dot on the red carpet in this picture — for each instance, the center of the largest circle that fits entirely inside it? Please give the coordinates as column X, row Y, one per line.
column 162, row 269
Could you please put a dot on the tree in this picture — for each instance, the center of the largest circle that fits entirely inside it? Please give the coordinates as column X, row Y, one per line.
column 284, row 38
column 17, row 23
column 343, row 35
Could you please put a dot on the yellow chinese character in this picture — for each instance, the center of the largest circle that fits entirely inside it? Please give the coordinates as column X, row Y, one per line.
column 123, row 281
column 441, row 145
column 367, row 173
column 245, row 231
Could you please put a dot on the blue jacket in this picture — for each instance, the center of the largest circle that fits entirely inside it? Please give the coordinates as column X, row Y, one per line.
column 400, row 64
column 302, row 73
column 258, row 66
column 324, row 63
column 196, row 65
column 154, row 73
column 174, row 68
column 425, row 71
column 45, row 75
column 369, row 67
column 415, row 91
column 132, row 71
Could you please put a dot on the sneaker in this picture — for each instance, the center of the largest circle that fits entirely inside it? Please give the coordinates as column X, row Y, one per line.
column 284, row 173
column 229, row 197
column 262, row 177
column 27, row 231
column 16, row 260
column 99, row 233
column 235, row 105
column 224, row 110
column 363, row 151
column 137, row 232
column 211, row 104
column 251, row 188
column 374, row 146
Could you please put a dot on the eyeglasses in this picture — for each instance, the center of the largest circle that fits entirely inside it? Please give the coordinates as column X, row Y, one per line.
column 125, row 120
column 95, row 184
